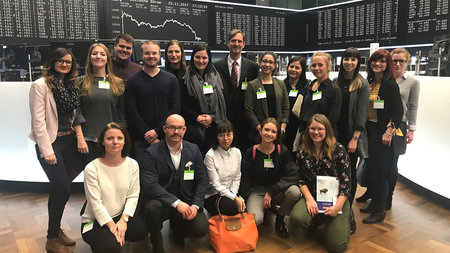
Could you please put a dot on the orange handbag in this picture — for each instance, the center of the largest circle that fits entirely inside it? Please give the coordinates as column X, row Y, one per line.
column 236, row 233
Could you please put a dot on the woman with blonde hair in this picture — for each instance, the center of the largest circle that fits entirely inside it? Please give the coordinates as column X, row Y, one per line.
column 321, row 155
column 101, row 96
column 322, row 96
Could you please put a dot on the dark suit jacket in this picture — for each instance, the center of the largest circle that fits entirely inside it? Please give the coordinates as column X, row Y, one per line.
column 158, row 171
column 235, row 96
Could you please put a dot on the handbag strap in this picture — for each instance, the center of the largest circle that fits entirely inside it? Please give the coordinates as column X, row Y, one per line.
column 217, row 207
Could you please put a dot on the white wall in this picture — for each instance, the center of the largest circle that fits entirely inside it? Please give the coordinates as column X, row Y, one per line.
column 425, row 161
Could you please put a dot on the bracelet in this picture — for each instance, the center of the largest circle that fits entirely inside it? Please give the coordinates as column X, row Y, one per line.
column 389, row 134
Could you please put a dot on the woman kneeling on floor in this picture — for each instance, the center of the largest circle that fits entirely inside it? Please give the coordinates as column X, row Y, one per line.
column 321, row 155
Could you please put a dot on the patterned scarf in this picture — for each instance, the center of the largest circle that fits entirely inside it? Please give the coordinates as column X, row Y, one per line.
column 66, row 96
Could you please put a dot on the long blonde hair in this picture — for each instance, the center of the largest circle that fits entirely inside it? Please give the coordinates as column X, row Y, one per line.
column 116, row 84
column 328, row 144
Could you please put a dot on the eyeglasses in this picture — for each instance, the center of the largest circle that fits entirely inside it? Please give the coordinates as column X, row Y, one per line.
column 61, row 62
column 173, row 128
column 313, row 129
column 267, row 62
column 399, row 61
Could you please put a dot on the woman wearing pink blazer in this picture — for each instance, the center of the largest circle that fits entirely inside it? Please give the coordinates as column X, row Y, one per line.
column 55, row 118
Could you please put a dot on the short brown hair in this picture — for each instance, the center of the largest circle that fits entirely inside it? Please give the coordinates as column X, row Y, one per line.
column 126, row 146
column 275, row 122
column 233, row 33
column 151, row 42
column 124, row 36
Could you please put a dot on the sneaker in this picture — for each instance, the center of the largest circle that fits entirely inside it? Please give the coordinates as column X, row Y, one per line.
column 280, row 227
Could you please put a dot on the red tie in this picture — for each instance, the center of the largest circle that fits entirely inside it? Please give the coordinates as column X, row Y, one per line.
column 234, row 74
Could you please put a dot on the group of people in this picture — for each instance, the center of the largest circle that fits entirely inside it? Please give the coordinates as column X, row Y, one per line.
column 216, row 136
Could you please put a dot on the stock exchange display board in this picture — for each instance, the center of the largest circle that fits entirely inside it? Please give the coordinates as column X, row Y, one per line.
column 42, row 21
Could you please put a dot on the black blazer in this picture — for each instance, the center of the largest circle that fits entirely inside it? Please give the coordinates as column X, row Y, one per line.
column 235, row 96
column 157, row 172
column 393, row 107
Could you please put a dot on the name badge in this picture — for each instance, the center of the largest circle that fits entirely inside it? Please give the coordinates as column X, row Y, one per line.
column 188, row 175
column 87, row 227
column 244, row 85
column 207, row 89
column 317, row 96
column 261, row 94
column 293, row 93
column 103, row 85
column 378, row 104
column 268, row 163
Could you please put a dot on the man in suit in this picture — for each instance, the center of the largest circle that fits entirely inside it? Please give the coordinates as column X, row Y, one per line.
column 236, row 72
column 173, row 184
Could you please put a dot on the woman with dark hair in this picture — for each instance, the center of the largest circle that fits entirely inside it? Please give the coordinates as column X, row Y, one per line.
column 384, row 117
column 296, row 84
column 352, row 122
column 111, row 184
column 265, row 97
column 55, row 114
column 269, row 177
column 321, row 155
column 223, row 162
column 321, row 96
column 203, row 104
column 101, row 98
column 175, row 59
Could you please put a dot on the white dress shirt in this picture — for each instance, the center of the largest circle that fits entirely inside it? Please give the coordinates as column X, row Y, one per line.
column 224, row 171
column 238, row 66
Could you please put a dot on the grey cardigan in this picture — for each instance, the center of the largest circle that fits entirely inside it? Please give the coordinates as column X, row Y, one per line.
column 357, row 111
column 256, row 109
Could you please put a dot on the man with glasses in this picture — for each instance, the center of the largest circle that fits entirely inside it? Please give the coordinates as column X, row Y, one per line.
column 173, row 184
column 151, row 95
column 236, row 72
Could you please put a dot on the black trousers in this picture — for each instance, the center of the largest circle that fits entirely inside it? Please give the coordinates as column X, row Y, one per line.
column 155, row 213
column 60, row 176
column 353, row 160
column 380, row 162
column 226, row 205
column 102, row 240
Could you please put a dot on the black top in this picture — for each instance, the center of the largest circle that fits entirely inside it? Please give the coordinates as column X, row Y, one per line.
column 64, row 120
column 291, row 129
column 329, row 104
column 343, row 119
column 150, row 100
column 282, row 176
column 271, row 100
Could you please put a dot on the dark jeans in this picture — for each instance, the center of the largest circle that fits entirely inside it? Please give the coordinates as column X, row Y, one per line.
column 155, row 213
column 380, row 161
column 60, row 176
column 102, row 240
column 353, row 159
column 139, row 150
column 226, row 205
column 92, row 155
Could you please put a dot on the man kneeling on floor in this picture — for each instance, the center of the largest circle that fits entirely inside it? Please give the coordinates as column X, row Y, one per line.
column 174, row 182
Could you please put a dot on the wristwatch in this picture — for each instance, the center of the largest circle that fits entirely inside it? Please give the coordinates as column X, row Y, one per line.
column 125, row 219
column 355, row 137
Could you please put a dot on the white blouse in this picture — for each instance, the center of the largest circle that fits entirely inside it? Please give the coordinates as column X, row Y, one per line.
column 110, row 191
column 224, row 171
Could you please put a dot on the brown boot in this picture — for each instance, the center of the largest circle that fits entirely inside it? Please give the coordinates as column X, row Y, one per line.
column 54, row 246
column 64, row 240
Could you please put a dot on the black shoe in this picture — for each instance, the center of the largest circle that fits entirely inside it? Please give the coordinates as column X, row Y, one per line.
column 369, row 209
column 374, row 217
column 280, row 227
column 366, row 196
column 352, row 222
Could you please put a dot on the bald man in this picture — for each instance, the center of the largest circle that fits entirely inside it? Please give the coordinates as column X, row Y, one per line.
column 174, row 182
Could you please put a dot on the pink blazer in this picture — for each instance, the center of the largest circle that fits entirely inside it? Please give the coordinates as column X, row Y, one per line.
column 44, row 116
